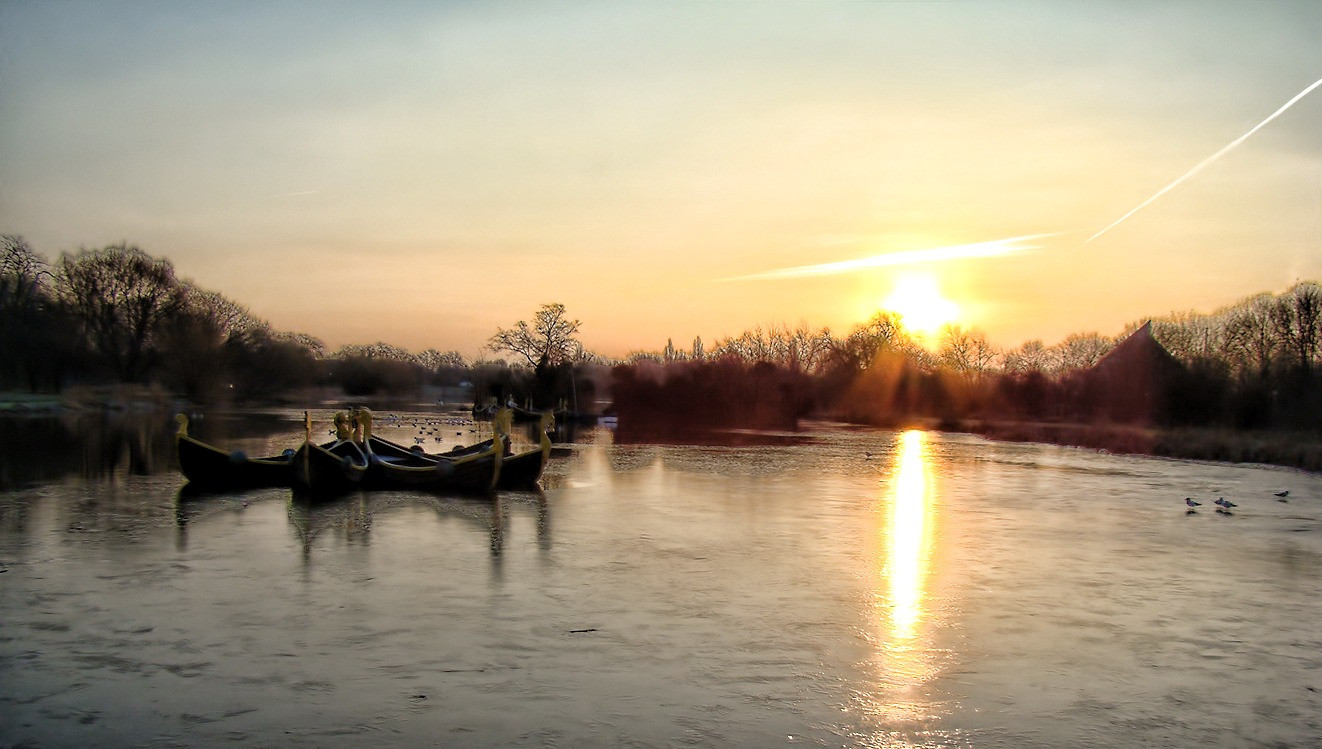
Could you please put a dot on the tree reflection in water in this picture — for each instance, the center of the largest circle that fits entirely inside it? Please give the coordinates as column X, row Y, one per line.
column 90, row 445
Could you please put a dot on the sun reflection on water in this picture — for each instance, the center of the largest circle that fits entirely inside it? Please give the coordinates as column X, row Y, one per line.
column 906, row 530
column 909, row 531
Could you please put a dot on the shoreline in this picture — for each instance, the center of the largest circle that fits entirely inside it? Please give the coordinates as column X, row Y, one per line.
column 1296, row 450
column 1285, row 449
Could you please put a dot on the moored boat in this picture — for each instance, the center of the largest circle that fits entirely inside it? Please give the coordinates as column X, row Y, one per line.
column 329, row 470
column 524, row 470
column 517, row 471
column 516, row 414
column 206, row 465
column 475, row 468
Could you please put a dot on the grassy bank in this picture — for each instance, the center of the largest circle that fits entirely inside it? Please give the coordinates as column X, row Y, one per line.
column 1292, row 449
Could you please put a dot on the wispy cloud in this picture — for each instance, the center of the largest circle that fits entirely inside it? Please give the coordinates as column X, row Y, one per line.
column 1208, row 160
column 991, row 248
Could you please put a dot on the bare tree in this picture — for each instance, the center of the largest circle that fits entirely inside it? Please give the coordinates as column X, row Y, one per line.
column 120, row 295
column 314, row 346
column 966, row 351
column 380, row 351
column 882, row 334
column 21, row 272
column 203, row 343
column 1032, row 356
column 547, row 342
column 435, row 361
column 1251, row 342
column 233, row 321
column 27, row 322
column 1298, row 320
column 1082, row 350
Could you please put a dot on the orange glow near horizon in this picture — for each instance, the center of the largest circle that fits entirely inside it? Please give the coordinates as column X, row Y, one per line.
column 922, row 308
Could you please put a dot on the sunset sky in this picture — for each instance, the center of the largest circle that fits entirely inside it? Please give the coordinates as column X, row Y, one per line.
column 422, row 173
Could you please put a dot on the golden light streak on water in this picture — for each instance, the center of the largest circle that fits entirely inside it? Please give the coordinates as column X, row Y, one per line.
column 909, row 537
column 905, row 659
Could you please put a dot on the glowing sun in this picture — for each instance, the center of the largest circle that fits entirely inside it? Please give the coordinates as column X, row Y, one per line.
column 922, row 308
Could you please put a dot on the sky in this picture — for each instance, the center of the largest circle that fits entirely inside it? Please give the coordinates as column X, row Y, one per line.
column 422, row 173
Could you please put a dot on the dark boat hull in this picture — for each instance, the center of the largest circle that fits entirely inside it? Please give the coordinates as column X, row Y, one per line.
column 209, row 466
column 473, row 468
column 520, row 471
column 329, row 471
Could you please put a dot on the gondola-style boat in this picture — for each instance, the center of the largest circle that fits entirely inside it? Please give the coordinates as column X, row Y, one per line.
column 475, row 468
column 329, row 470
column 522, row 471
column 208, row 466
column 516, row 414
column 519, row 471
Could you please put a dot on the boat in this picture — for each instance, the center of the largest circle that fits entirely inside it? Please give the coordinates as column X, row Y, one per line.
column 524, row 470
column 474, row 468
column 208, row 466
column 517, row 471
column 518, row 414
column 329, row 470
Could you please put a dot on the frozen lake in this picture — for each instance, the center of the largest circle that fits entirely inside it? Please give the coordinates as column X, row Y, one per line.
column 866, row 588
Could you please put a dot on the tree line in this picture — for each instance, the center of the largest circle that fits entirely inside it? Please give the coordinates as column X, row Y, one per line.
column 1251, row 365
column 117, row 314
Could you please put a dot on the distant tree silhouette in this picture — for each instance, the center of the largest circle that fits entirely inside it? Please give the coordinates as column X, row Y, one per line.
column 1297, row 318
column 22, row 295
column 1250, row 337
column 378, row 368
column 37, row 341
column 1031, row 356
column 1082, row 350
column 549, row 346
column 267, row 365
column 547, row 341
column 203, row 343
column 120, row 296
column 966, row 352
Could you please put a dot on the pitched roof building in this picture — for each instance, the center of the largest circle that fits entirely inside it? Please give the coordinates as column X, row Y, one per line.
column 1131, row 383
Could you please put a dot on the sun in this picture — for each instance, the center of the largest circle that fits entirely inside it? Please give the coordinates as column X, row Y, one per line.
column 922, row 308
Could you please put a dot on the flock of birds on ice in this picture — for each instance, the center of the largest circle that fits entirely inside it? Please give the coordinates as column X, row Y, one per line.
column 1224, row 506
column 427, row 426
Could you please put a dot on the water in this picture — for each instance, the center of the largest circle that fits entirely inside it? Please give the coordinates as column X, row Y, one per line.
column 944, row 591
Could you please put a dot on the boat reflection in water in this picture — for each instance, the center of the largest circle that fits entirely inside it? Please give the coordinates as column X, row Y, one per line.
column 906, row 527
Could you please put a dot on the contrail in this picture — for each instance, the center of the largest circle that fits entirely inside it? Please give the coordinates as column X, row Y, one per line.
column 1208, row 160
column 992, row 248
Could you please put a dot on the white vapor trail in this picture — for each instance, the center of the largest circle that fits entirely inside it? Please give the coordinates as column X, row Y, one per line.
column 1208, row 160
column 992, row 248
